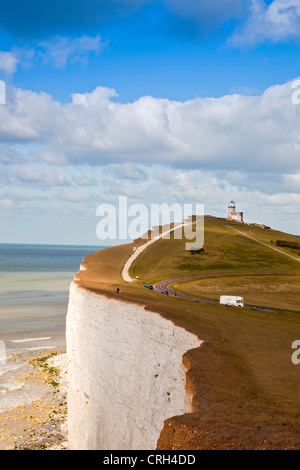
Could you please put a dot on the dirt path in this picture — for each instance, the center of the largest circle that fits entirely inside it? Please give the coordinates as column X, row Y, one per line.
column 125, row 272
column 262, row 243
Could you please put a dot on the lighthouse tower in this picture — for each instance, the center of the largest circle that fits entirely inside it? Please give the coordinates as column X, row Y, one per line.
column 231, row 209
column 232, row 214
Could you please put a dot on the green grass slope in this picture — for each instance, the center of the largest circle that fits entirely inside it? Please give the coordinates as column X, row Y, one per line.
column 225, row 251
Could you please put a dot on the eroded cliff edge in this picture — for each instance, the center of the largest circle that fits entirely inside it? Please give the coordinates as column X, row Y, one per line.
column 126, row 372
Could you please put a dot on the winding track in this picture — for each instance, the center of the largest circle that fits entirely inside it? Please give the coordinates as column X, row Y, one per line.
column 163, row 286
column 262, row 243
column 125, row 271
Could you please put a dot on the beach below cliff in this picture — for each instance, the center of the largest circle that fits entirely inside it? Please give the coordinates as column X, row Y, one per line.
column 33, row 407
column 32, row 325
column 34, row 295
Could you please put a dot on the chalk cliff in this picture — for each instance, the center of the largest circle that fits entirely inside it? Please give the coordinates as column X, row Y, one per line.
column 126, row 373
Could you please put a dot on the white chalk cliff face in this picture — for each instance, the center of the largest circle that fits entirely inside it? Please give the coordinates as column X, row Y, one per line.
column 126, row 374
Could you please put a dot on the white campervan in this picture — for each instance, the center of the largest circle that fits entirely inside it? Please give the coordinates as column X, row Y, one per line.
column 232, row 300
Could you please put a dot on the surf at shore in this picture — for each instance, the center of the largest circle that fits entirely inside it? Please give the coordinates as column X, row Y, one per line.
column 34, row 290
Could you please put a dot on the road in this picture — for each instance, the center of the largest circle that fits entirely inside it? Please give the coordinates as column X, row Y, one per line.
column 164, row 286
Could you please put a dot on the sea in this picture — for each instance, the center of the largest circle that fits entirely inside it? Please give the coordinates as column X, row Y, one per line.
column 34, row 288
column 34, row 292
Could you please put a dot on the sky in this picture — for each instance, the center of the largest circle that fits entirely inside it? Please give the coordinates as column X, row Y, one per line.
column 162, row 101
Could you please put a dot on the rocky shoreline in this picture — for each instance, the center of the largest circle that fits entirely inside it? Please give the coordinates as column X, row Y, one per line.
column 39, row 421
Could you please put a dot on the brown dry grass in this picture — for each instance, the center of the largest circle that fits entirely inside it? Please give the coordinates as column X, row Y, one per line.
column 272, row 291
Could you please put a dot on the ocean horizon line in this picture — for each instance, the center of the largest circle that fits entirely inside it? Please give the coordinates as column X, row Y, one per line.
column 54, row 244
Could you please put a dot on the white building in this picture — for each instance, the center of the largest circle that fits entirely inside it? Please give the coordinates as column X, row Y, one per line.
column 232, row 214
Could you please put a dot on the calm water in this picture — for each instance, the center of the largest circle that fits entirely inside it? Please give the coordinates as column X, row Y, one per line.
column 34, row 285
column 34, row 291
column 42, row 258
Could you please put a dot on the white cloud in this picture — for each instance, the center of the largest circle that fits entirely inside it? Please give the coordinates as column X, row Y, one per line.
column 9, row 204
column 237, row 135
column 8, row 62
column 62, row 50
column 127, row 171
column 59, row 51
column 215, row 192
column 85, row 181
column 45, row 177
column 226, row 132
column 275, row 22
column 71, row 196
column 8, row 155
column 50, row 157
column 292, row 182
column 232, row 132
column 26, row 116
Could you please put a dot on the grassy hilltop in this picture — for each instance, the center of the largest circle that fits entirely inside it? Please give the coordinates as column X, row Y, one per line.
column 276, row 282
column 246, row 388
column 225, row 251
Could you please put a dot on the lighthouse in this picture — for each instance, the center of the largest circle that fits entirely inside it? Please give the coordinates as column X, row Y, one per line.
column 232, row 214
